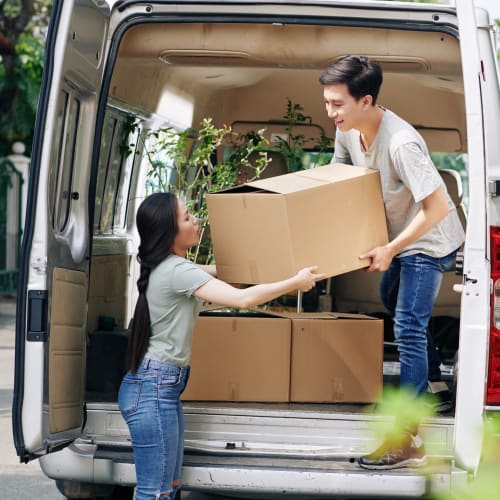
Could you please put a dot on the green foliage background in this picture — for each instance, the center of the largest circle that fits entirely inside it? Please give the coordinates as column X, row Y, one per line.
column 22, row 29
column 18, row 123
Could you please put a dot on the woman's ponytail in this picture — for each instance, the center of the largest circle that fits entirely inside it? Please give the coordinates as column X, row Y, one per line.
column 141, row 323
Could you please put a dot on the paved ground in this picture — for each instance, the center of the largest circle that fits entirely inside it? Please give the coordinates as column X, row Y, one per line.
column 18, row 481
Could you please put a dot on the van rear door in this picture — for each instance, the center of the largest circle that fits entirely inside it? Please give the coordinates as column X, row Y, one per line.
column 482, row 109
column 48, row 405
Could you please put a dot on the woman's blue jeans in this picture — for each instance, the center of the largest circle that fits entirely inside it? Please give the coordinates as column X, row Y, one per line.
column 408, row 290
column 150, row 403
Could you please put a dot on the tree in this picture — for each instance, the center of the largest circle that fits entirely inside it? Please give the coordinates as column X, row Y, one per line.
column 21, row 58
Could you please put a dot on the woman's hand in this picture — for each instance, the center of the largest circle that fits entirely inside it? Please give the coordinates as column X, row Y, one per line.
column 307, row 278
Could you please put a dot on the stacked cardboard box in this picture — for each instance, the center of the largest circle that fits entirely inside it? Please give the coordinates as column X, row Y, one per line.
column 336, row 358
column 323, row 357
column 243, row 358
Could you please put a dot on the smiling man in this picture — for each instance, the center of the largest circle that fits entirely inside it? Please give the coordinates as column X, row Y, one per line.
column 424, row 230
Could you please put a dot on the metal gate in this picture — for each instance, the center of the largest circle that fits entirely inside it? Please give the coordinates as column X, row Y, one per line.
column 11, row 182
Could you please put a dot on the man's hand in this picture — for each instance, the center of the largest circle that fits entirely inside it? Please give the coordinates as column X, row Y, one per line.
column 380, row 258
column 434, row 209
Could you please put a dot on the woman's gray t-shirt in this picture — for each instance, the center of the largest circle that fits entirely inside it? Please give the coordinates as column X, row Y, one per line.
column 407, row 176
column 173, row 308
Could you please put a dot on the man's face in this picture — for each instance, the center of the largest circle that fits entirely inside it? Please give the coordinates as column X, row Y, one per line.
column 343, row 109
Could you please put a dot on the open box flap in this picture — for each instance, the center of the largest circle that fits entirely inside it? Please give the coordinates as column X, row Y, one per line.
column 299, row 181
column 307, row 179
column 326, row 315
column 216, row 310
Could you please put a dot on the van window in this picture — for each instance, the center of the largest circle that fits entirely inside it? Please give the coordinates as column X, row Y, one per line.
column 459, row 163
column 62, row 158
column 118, row 156
column 162, row 174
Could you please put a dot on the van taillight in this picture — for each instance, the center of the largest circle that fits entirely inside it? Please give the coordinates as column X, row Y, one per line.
column 493, row 386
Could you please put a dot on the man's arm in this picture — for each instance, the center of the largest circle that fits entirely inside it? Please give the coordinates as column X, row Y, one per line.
column 434, row 210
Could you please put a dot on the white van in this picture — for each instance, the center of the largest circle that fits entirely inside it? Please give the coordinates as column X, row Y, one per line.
column 168, row 62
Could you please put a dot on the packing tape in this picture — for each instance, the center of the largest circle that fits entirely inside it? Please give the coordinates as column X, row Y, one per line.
column 338, row 393
column 233, row 391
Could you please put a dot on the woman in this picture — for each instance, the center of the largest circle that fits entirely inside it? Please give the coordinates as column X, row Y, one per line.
column 171, row 291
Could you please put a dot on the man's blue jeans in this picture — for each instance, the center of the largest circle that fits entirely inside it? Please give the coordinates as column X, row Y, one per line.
column 408, row 290
column 149, row 401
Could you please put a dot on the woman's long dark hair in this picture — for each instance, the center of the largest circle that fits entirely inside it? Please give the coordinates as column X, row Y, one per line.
column 157, row 225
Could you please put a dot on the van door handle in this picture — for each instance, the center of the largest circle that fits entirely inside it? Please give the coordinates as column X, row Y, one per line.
column 37, row 316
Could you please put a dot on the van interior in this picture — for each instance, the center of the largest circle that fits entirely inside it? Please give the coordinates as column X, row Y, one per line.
column 242, row 74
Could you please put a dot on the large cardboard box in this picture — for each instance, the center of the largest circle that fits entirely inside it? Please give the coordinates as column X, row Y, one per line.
column 240, row 358
column 336, row 358
column 269, row 229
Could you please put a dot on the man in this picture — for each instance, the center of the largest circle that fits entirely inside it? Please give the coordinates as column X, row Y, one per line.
column 424, row 229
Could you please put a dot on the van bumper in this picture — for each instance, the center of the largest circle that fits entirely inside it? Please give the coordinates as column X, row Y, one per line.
column 256, row 476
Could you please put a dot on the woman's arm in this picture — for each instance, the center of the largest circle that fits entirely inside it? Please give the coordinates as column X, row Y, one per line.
column 208, row 269
column 221, row 293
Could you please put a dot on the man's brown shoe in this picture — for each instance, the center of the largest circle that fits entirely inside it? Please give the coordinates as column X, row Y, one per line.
column 393, row 454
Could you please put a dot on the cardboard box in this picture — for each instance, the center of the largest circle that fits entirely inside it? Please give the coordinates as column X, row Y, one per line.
column 282, row 357
column 269, row 229
column 240, row 358
column 336, row 358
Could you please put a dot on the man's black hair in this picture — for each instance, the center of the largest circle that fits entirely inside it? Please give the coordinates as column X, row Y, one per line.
column 361, row 75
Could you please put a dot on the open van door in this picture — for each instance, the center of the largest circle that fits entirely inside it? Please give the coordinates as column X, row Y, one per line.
column 48, row 405
column 481, row 89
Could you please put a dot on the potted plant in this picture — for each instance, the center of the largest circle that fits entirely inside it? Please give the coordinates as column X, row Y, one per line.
column 292, row 148
column 185, row 163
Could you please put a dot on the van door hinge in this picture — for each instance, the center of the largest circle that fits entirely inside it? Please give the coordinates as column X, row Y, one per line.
column 492, row 28
column 494, row 187
column 39, row 265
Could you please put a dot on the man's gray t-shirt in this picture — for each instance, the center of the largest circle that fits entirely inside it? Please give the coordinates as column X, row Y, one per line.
column 173, row 308
column 407, row 176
